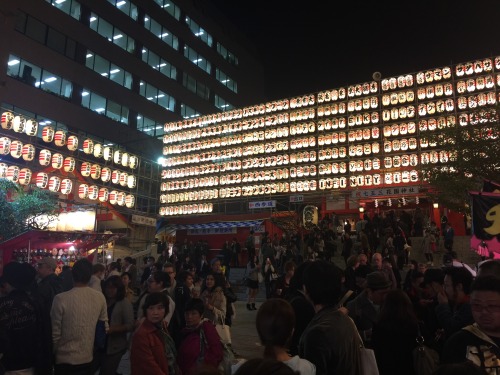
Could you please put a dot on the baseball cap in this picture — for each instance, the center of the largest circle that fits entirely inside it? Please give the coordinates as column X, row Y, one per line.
column 51, row 262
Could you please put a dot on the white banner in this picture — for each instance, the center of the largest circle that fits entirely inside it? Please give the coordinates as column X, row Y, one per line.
column 262, row 204
column 374, row 193
column 144, row 220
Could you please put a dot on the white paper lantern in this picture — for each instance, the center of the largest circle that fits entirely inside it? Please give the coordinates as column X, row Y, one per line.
column 66, row 186
column 108, row 153
column 115, row 176
column 16, row 149
column 5, row 145
column 7, row 119
column 60, row 138
column 98, row 150
column 129, row 200
column 103, row 194
column 19, row 124
column 69, row 164
column 72, row 143
column 133, row 162
column 123, row 178
column 88, row 146
column 125, row 159
column 25, row 176
column 28, row 152
column 57, row 161
column 44, row 157
column 3, row 170
column 85, row 169
column 105, row 174
column 117, row 156
column 31, row 127
column 93, row 192
column 120, row 198
column 83, row 191
column 42, row 179
column 48, row 134
column 113, row 197
column 54, row 183
column 13, row 173
column 131, row 181
column 95, row 171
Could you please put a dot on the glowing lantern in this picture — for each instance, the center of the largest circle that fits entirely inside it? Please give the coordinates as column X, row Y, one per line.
column 66, row 186
column 5, row 145
column 105, row 174
column 108, row 153
column 125, row 159
column 48, row 134
column 25, row 176
column 54, row 183
column 113, row 196
column 44, row 157
column 83, row 191
column 7, row 119
column 42, row 179
column 72, row 143
column 95, row 171
column 19, row 124
column 120, row 199
column 93, row 192
column 3, row 170
column 60, row 138
column 98, row 150
column 88, row 146
column 133, row 162
column 69, row 164
column 31, row 127
column 16, row 149
column 129, row 200
column 13, row 173
column 131, row 181
column 117, row 156
column 57, row 161
column 85, row 169
column 28, row 152
column 103, row 194
column 115, row 176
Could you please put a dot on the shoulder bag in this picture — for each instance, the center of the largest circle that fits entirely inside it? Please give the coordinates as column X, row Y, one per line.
column 425, row 359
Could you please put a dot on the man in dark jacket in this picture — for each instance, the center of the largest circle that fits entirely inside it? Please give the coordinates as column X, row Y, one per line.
column 330, row 341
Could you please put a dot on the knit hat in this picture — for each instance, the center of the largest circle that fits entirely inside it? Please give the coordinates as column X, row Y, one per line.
column 19, row 275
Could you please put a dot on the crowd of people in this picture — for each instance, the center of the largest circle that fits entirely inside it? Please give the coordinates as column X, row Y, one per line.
column 173, row 315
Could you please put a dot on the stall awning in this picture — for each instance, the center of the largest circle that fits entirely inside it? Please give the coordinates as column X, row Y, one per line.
column 38, row 239
column 221, row 224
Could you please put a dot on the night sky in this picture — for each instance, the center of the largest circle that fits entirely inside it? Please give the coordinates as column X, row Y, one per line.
column 310, row 46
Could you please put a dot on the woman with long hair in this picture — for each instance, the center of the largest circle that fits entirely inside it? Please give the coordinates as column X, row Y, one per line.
column 275, row 324
column 157, row 282
column 252, row 272
column 121, row 322
column 212, row 295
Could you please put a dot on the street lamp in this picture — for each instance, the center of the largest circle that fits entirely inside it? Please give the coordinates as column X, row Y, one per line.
column 435, row 205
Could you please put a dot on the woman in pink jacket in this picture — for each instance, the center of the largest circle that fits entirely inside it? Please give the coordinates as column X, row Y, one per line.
column 147, row 355
column 200, row 343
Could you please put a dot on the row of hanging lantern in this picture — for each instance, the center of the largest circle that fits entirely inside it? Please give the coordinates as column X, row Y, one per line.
column 478, row 117
column 94, row 192
column 193, row 195
column 60, row 138
column 474, row 101
column 432, row 124
column 476, row 67
column 395, row 130
column 479, row 83
column 303, row 101
column 186, row 209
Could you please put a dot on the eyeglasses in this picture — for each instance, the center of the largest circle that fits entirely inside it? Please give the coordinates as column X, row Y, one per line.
column 492, row 309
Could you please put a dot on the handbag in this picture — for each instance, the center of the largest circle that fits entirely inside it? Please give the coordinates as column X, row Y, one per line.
column 260, row 277
column 425, row 359
column 367, row 357
column 224, row 331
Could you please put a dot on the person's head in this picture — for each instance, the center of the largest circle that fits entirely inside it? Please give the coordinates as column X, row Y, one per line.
column 417, row 278
column 126, row 278
column 113, row 288
column 186, row 278
column 397, row 308
column 113, row 266
column 46, row 266
column 149, row 261
column 193, row 312
column 322, row 283
column 82, row 271
column 485, row 304
column 18, row 276
column 169, row 268
column 489, row 267
column 297, row 281
column 265, row 366
column 433, row 281
column 155, row 307
column 127, row 261
column 422, row 268
column 215, row 265
column 212, row 281
column 289, row 268
column 377, row 286
column 99, row 270
column 363, row 260
column 377, row 261
column 158, row 281
column 457, row 282
column 275, row 323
